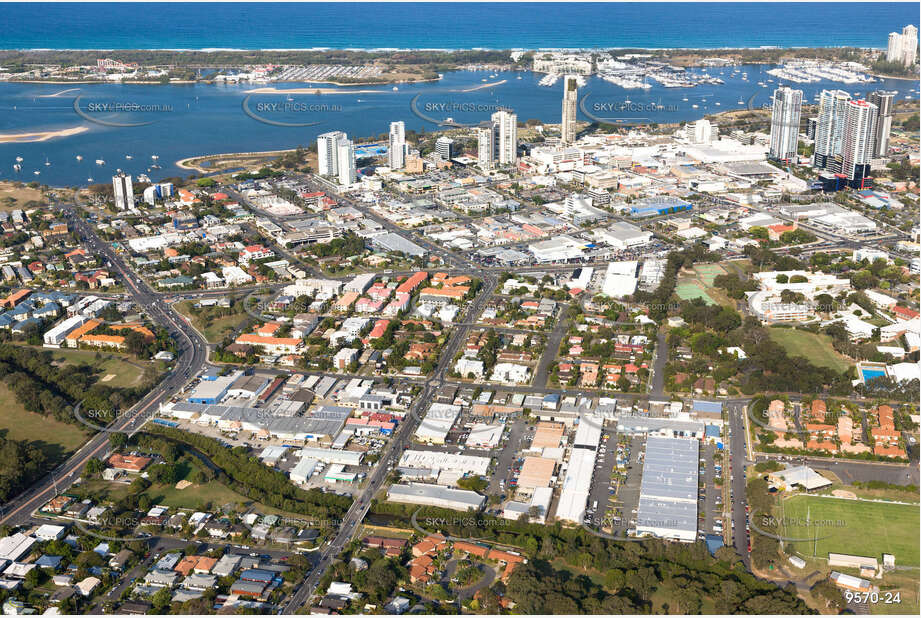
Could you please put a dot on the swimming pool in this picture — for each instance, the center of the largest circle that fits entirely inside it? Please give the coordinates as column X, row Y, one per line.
column 872, row 374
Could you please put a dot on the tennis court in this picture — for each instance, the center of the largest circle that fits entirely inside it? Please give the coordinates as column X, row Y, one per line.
column 709, row 272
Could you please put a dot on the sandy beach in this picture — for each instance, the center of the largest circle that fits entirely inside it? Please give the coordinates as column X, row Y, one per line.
column 40, row 136
column 310, row 91
column 482, row 86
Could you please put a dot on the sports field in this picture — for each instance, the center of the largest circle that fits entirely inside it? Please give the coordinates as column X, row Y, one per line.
column 853, row 527
column 816, row 348
column 709, row 272
column 689, row 290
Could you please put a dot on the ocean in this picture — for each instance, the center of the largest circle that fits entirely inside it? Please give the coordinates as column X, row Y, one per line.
column 172, row 122
column 495, row 25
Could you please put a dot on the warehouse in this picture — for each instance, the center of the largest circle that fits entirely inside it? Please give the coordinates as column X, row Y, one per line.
column 435, row 495
column 454, row 462
column 576, row 485
column 437, row 423
column 622, row 235
column 535, row 472
column 484, row 436
column 668, row 492
column 212, row 390
column 332, row 456
column 304, row 469
column 665, row 427
column 620, row 279
column 547, row 435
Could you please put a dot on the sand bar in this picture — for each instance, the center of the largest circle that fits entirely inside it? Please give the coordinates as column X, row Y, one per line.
column 40, row 136
column 309, row 91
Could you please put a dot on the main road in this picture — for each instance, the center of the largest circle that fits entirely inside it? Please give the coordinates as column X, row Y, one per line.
column 391, row 456
column 192, row 357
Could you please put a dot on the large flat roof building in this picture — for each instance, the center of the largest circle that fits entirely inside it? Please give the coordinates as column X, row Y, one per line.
column 668, row 491
column 435, row 495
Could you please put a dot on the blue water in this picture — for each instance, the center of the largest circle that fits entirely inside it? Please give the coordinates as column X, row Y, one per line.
column 872, row 374
column 448, row 26
column 208, row 119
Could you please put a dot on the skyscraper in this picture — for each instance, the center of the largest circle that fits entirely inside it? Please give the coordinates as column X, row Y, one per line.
column 882, row 99
column 858, row 140
column 486, row 147
column 328, row 152
column 909, row 45
column 570, row 103
column 444, row 148
column 345, row 162
column 903, row 48
column 505, row 127
column 785, row 117
column 124, row 191
column 397, row 150
column 829, row 129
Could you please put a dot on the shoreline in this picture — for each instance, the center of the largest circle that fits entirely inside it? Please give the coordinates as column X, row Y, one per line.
column 30, row 137
column 272, row 90
column 184, row 164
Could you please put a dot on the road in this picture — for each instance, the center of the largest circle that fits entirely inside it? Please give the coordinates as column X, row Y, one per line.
column 738, row 458
column 192, row 357
column 390, row 457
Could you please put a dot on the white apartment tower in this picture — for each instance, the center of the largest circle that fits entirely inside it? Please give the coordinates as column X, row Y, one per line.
column 444, row 148
column 785, row 117
column 345, row 163
column 397, row 150
column 830, row 129
column 903, row 48
column 882, row 99
column 505, row 128
column 486, row 147
column 124, row 191
column 570, row 105
column 328, row 152
column 859, row 139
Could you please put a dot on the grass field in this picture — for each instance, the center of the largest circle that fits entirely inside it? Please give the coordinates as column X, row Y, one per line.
column 816, row 348
column 127, row 372
column 57, row 439
column 689, row 290
column 852, row 527
column 19, row 195
column 215, row 330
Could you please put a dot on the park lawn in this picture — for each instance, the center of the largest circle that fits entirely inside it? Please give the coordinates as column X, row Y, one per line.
column 126, row 372
column 816, row 348
column 906, row 584
column 19, row 196
column 215, row 330
column 56, row 438
column 853, row 527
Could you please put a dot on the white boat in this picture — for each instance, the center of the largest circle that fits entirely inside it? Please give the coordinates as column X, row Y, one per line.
column 684, row 99
column 129, row 157
column 36, row 172
column 395, row 88
column 16, row 167
column 741, row 102
column 154, row 157
column 18, row 159
column 89, row 180
column 718, row 103
column 79, row 157
column 694, row 106
column 100, row 162
column 47, row 162
column 519, row 77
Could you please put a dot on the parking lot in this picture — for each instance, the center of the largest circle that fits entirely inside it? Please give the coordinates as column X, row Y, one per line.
column 710, row 501
column 601, row 494
column 622, row 514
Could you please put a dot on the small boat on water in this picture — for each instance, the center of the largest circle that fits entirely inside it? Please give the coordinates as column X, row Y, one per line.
column 694, row 106
column 718, row 103
column 395, row 88
column 89, row 180
column 154, row 157
column 129, row 157
column 18, row 159
column 37, row 173
column 17, row 167
column 100, row 162
column 79, row 157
